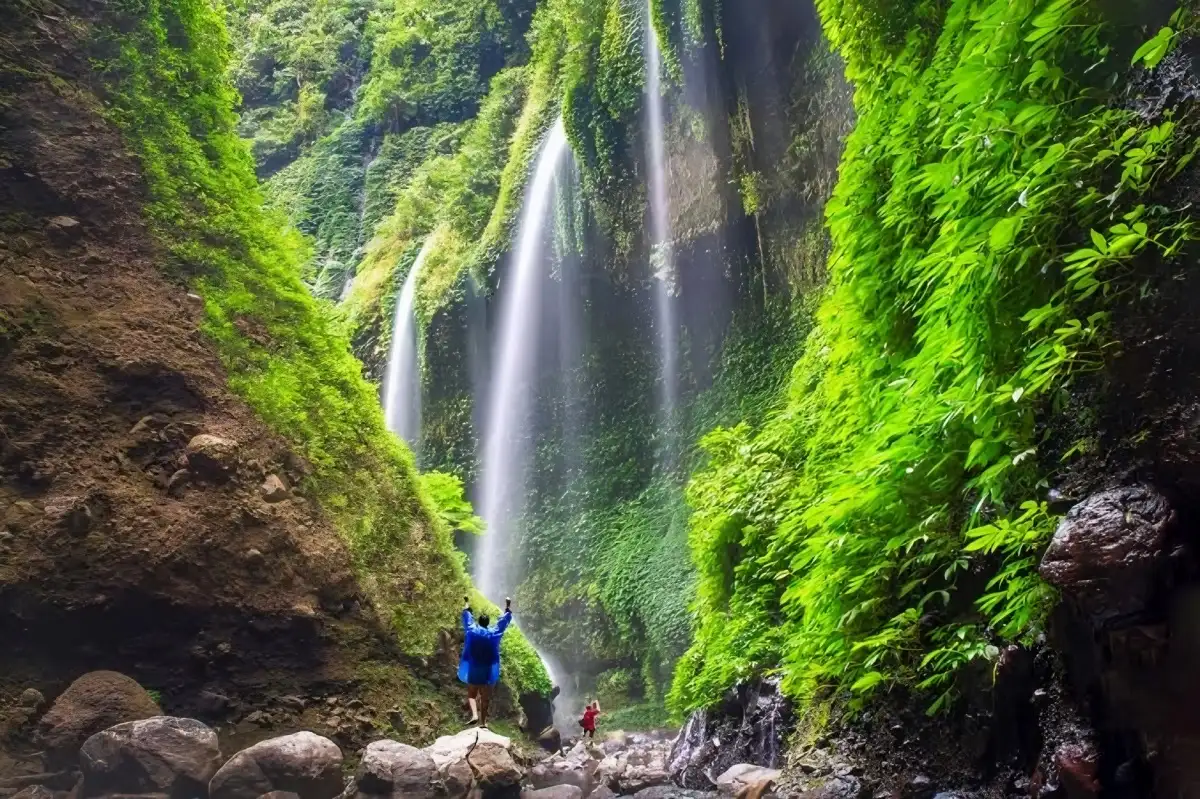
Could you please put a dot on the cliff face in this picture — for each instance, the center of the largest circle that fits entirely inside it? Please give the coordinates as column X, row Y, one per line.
column 151, row 521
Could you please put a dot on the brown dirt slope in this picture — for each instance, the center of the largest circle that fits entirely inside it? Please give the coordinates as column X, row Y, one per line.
column 104, row 379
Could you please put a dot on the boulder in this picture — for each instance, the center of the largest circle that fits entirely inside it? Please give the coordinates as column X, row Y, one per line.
column 212, row 457
column 550, row 739
column 392, row 769
column 94, row 702
column 303, row 763
column 538, row 710
column 167, row 755
column 1109, row 554
column 737, row 778
column 449, row 754
column 494, row 766
column 31, row 699
column 555, row 792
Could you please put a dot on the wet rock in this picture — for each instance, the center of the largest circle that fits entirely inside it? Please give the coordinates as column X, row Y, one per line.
column 212, row 457
column 94, row 702
column 392, row 769
column 554, row 792
column 31, row 699
column 538, row 710
column 156, row 755
column 1108, row 556
column 737, row 778
column 602, row 792
column 749, row 726
column 1078, row 766
column 274, row 489
column 304, row 763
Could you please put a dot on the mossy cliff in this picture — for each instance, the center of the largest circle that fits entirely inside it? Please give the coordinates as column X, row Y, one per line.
column 156, row 74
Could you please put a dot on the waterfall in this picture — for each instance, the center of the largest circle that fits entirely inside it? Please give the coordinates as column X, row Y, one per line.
column 506, row 450
column 402, row 381
column 661, row 260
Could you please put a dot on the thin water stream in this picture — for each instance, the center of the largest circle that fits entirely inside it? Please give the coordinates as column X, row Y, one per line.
column 662, row 260
column 507, row 444
column 402, row 380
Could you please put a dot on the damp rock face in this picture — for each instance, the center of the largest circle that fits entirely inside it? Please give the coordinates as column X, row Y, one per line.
column 1109, row 555
column 749, row 726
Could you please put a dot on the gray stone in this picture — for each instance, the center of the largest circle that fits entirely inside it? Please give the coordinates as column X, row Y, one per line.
column 156, row 755
column 393, row 769
column 31, row 699
column 211, row 456
column 303, row 763
column 554, row 792
column 741, row 776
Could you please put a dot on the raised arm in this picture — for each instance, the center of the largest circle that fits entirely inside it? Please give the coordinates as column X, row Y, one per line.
column 468, row 620
column 506, row 619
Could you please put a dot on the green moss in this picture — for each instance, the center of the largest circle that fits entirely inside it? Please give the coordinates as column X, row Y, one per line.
column 166, row 74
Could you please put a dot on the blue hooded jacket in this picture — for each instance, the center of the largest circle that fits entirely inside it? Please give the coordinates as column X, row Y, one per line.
column 480, row 661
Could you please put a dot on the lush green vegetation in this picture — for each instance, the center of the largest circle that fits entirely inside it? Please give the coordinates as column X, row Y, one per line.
column 993, row 198
column 870, row 452
column 165, row 66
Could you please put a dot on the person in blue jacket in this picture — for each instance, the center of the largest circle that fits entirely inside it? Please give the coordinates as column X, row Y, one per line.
column 479, row 666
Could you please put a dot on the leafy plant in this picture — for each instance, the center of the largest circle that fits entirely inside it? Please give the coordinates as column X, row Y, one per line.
column 992, row 203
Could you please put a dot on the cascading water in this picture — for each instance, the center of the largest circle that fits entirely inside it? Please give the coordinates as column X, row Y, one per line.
column 661, row 259
column 402, row 381
column 506, row 449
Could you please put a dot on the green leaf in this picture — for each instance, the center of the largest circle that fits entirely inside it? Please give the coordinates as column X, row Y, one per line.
column 1004, row 233
column 1154, row 50
column 867, row 682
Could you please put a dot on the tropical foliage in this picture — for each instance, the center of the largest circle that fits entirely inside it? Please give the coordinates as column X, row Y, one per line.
column 994, row 197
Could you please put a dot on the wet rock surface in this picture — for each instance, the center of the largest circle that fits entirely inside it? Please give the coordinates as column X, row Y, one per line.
column 747, row 727
column 1109, row 555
